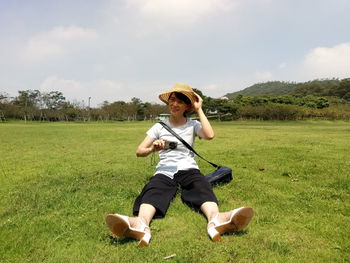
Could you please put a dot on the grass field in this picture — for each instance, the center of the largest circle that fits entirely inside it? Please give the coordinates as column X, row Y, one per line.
column 59, row 180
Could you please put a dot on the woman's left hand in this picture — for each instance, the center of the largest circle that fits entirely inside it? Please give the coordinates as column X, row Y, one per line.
column 198, row 104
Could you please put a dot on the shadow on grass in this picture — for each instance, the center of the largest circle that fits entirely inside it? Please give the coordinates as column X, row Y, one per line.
column 116, row 241
column 237, row 233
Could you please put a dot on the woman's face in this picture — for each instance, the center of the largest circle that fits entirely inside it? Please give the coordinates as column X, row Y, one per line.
column 176, row 106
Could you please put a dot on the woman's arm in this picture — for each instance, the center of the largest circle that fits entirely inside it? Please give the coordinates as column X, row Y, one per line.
column 149, row 145
column 207, row 131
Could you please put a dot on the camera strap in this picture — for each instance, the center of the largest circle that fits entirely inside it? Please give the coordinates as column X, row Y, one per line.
column 185, row 143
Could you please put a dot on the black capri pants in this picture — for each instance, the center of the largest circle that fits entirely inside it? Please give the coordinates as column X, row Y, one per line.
column 160, row 190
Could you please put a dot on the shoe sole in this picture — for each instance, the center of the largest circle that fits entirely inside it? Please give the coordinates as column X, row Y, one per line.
column 142, row 243
column 216, row 238
column 238, row 222
column 120, row 228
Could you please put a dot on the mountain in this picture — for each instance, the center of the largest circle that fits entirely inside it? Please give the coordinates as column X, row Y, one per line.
column 266, row 89
column 317, row 87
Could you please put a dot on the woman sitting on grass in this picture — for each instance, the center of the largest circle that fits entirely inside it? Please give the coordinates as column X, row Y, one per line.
column 177, row 167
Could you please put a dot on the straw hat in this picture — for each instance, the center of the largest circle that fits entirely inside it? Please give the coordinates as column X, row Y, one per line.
column 181, row 88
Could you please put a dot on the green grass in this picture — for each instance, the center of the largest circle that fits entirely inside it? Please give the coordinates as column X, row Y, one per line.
column 59, row 180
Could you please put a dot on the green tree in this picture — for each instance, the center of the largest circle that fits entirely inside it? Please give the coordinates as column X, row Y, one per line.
column 28, row 101
column 53, row 100
column 343, row 90
column 28, row 98
column 4, row 97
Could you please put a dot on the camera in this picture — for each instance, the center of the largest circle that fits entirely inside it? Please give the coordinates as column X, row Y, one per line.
column 170, row 145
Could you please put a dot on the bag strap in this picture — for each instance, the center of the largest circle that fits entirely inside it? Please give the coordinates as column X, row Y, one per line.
column 185, row 143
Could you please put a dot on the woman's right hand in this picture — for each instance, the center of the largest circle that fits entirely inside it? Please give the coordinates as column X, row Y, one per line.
column 149, row 145
column 158, row 145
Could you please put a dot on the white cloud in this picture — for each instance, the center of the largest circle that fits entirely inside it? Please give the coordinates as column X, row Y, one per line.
column 99, row 68
column 57, row 41
column 54, row 83
column 109, row 86
column 328, row 62
column 99, row 90
column 211, row 87
column 180, row 11
column 263, row 76
column 283, row 65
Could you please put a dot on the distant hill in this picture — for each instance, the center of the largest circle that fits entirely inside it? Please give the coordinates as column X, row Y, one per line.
column 266, row 89
column 323, row 87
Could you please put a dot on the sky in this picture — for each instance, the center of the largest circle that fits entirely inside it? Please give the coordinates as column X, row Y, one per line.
column 111, row 50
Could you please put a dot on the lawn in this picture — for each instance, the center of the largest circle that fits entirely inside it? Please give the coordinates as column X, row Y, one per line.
column 59, row 180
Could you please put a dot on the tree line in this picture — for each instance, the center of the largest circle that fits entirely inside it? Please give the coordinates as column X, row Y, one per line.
column 327, row 99
column 34, row 105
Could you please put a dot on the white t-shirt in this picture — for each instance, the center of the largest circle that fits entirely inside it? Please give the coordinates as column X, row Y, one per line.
column 181, row 158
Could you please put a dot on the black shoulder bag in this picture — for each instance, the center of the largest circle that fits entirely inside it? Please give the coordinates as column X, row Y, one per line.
column 221, row 175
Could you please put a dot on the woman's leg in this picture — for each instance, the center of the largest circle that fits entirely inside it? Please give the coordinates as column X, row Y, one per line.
column 155, row 198
column 211, row 209
column 197, row 193
column 146, row 214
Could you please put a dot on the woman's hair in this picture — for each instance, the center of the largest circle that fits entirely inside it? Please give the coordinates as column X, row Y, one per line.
column 183, row 98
